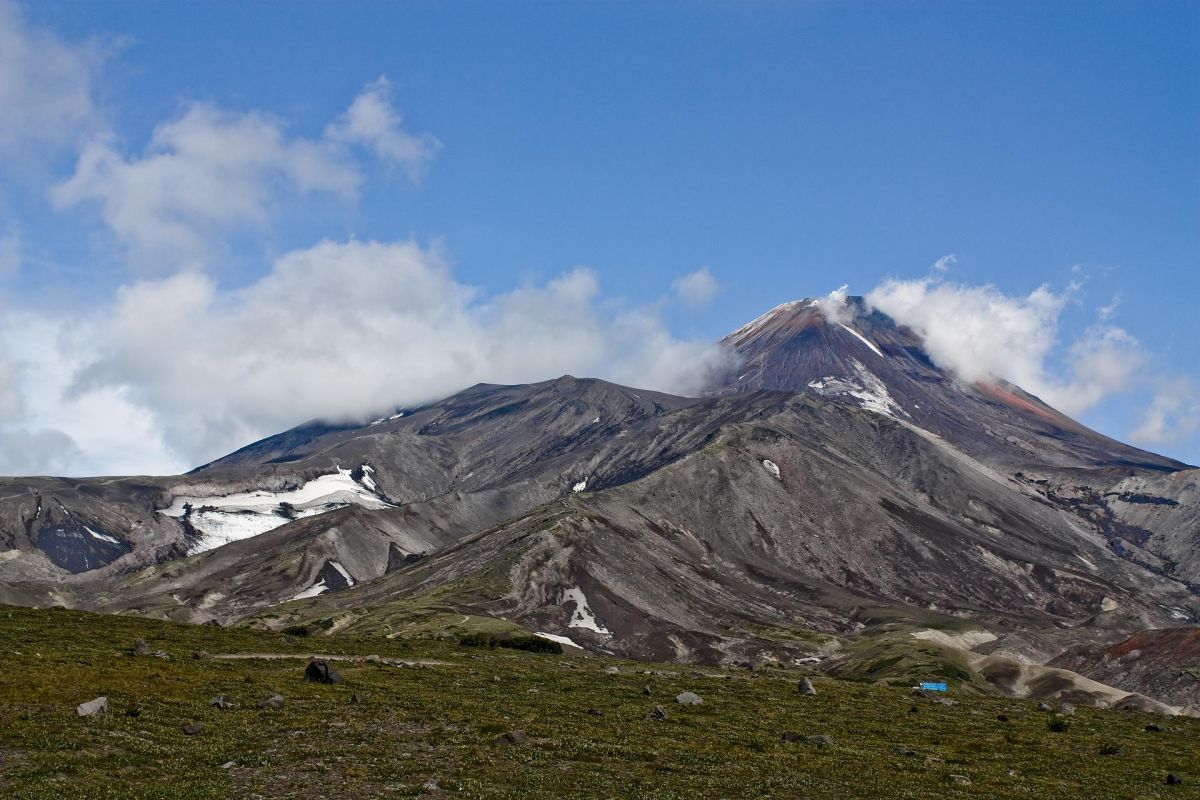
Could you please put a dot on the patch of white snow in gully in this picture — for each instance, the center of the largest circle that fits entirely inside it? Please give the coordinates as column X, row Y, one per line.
column 582, row 617
column 222, row 519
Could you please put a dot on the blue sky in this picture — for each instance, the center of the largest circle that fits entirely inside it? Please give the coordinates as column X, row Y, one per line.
column 790, row 148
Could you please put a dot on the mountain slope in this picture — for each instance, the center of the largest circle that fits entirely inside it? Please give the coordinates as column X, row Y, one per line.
column 837, row 487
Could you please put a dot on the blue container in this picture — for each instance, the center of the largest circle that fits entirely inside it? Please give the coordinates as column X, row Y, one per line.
column 933, row 686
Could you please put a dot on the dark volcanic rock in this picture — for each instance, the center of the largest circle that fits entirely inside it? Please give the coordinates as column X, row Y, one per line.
column 319, row 671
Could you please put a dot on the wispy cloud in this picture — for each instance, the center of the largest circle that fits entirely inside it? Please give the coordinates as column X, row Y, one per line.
column 696, row 289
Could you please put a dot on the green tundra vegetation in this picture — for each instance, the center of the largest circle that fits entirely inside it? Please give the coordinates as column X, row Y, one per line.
column 431, row 718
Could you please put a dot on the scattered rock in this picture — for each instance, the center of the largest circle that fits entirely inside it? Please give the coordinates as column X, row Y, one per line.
column 140, row 648
column 934, row 760
column 1066, row 709
column 201, row 655
column 945, row 701
column 512, row 737
column 431, row 786
column 688, row 699
column 1174, row 780
column 192, row 728
column 274, row 702
column 806, row 687
column 221, row 701
column 355, row 699
column 1153, row 727
column 646, row 690
column 961, row 780
column 319, row 671
column 657, row 713
column 901, row 750
column 791, row 736
column 133, row 711
column 820, row 740
column 92, row 707
column 611, row 671
column 495, row 679
column 228, row 765
column 1043, row 707
column 163, row 654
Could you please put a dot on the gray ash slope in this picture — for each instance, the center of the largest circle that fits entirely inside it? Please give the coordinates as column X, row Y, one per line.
column 835, row 484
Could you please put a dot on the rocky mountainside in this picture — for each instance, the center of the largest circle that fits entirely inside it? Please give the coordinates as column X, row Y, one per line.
column 834, row 494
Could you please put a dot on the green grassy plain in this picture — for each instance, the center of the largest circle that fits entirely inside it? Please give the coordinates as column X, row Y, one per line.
column 586, row 731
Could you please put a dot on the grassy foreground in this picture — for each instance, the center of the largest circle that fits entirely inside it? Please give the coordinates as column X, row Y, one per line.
column 435, row 730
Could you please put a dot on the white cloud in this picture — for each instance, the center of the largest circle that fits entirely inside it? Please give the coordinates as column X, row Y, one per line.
column 1173, row 415
column 944, row 263
column 212, row 172
column 696, row 289
column 204, row 174
column 373, row 122
column 47, row 428
column 980, row 333
column 46, row 86
column 344, row 330
column 834, row 306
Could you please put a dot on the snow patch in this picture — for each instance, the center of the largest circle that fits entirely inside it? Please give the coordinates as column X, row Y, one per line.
column 593, row 422
column 104, row 537
column 753, row 325
column 1086, row 562
column 583, row 616
column 579, row 487
column 317, row 588
column 222, row 519
column 771, row 466
column 554, row 637
column 869, row 390
column 342, row 571
column 862, row 339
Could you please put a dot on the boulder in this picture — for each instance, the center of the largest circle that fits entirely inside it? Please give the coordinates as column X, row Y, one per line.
column 140, row 648
column 274, row 702
column 92, row 707
column 512, row 737
column 319, row 671
column 657, row 713
column 806, row 687
column 221, row 701
column 192, row 728
column 688, row 699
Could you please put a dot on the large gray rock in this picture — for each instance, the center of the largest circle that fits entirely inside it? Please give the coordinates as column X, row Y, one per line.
column 806, row 687
column 92, row 707
column 688, row 699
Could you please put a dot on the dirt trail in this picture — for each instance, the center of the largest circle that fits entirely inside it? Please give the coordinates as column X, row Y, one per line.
column 395, row 662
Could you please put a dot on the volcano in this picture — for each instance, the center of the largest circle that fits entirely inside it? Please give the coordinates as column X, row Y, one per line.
column 834, row 498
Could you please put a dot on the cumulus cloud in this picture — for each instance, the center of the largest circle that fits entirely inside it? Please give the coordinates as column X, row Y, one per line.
column 208, row 172
column 46, row 86
column 980, row 333
column 373, row 122
column 212, row 172
column 834, row 306
column 346, row 330
column 696, row 289
column 1173, row 415
column 45, row 427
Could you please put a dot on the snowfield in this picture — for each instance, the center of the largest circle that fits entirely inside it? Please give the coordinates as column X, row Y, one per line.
column 229, row 518
column 582, row 616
